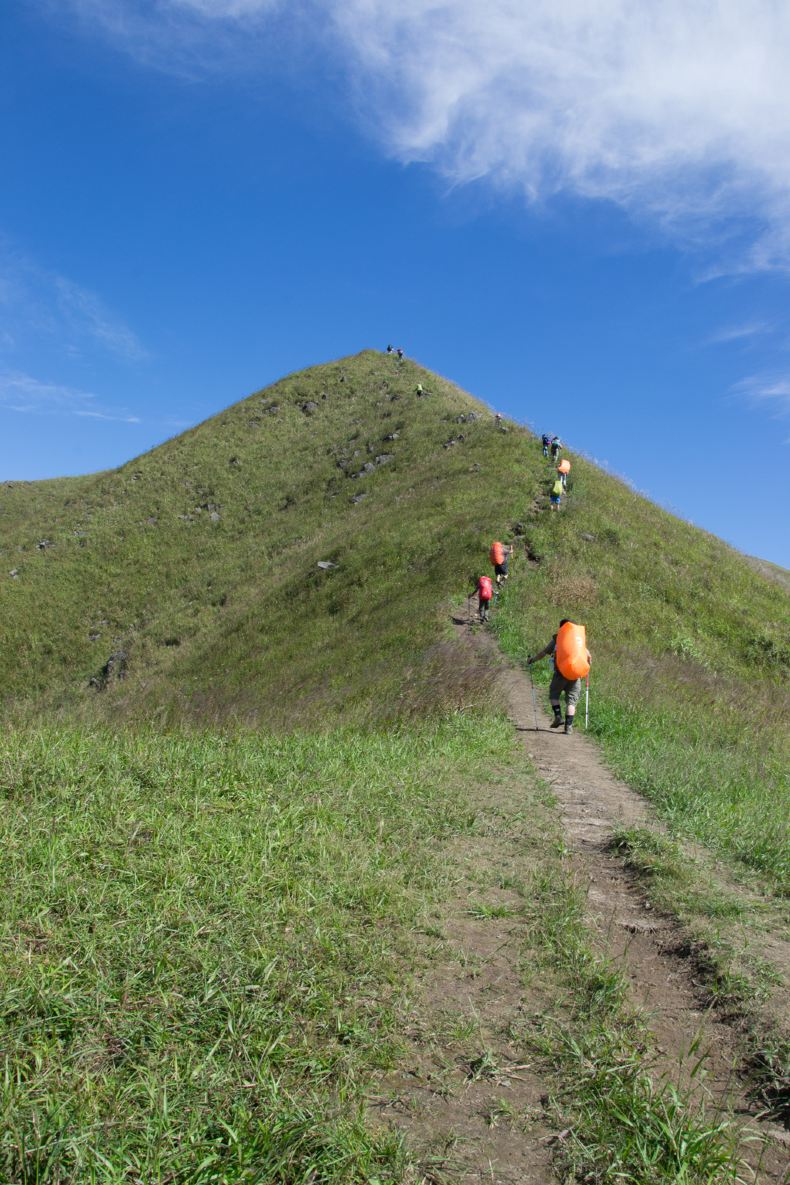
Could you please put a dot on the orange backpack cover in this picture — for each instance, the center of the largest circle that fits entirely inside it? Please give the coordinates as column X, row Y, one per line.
column 564, row 467
column 484, row 588
column 497, row 553
column 570, row 654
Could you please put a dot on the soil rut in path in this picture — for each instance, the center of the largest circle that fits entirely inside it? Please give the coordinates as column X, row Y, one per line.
column 592, row 804
column 470, row 1108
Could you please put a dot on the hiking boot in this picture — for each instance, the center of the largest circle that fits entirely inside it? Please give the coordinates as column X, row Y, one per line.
column 568, row 727
column 556, row 722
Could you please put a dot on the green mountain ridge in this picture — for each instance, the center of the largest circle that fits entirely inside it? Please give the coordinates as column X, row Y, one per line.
column 185, row 584
column 245, row 745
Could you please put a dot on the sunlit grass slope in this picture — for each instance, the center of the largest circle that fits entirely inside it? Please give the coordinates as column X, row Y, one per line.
column 691, row 649
column 203, row 945
column 200, row 559
column 200, row 562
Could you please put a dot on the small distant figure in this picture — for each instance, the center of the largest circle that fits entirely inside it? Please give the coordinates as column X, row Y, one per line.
column 545, row 440
column 498, row 418
column 419, row 390
column 556, row 448
column 563, row 469
column 390, row 350
column 399, row 352
column 555, row 497
column 485, row 593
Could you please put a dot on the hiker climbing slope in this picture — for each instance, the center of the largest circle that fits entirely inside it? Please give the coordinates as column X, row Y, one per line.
column 485, row 592
column 555, row 496
column 556, row 448
column 545, row 441
column 563, row 469
column 499, row 557
column 568, row 648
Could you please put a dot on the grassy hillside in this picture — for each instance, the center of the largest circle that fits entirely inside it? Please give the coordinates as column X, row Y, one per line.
column 691, row 650
column 199, row 561
column 208, row 934
column 196, row 567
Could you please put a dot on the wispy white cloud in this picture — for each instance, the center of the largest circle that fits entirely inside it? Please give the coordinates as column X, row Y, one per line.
column 766, row 389
column 744, row 332
column 678, row 112
column 35, row 302
column 21, row 392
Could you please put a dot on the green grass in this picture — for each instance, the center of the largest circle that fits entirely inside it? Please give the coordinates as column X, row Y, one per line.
column 203, row 946
column 230, row 618
column 623, row 1118
column 690, row 649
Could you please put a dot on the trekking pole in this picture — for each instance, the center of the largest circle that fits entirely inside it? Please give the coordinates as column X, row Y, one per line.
column 534, row 701
column 587, row 702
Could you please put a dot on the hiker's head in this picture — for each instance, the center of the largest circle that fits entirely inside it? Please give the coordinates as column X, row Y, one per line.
column 565, row 621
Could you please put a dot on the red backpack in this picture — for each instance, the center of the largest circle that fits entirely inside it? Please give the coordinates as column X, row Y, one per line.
column 485, row 588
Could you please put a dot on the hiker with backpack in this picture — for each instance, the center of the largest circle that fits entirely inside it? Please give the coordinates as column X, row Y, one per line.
column 568, row 650
column 557, row 490
column 563, row 469
column 485, row 593
column 545, row 440
column 556, row 448
column 499, row 557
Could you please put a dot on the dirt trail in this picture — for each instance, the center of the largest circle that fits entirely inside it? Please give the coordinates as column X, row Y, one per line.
column 469, row 1108
column 649, row 946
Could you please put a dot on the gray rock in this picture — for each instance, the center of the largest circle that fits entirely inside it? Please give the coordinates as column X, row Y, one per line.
column 519, row 528
column 366, row 470
column 358, row 497
column 450, row 443
column 393, row 436
column 114, row 669
column 43, row 544
column 588, row 537
column 234, row 461
column 385, row 458
column 471, row 417
column 271, row 411
column 309, row 408
column 152, row 520
column 187, row 518
column 326, row 565
column 14, row 573
column 460, row 419
column 215, row 516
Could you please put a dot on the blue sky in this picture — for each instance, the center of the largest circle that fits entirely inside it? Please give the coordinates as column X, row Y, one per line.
column 584, row 220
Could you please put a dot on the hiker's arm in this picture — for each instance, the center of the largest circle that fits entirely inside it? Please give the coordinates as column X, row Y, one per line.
column 545, row 652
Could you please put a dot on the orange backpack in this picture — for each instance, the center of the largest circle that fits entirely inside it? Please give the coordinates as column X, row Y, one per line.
column 497, row 553
column 570, row 653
